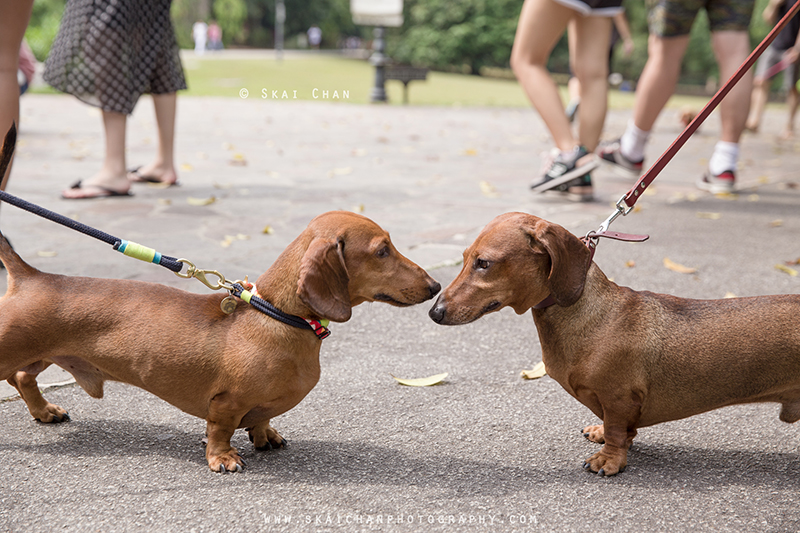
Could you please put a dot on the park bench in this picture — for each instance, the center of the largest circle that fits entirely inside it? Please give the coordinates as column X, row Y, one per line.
column 405, row 74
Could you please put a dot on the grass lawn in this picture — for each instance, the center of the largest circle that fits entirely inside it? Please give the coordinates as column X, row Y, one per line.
column 324, row 77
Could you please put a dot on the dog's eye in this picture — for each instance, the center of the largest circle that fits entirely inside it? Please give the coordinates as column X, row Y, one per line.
column 481, row 264
column 383, row 252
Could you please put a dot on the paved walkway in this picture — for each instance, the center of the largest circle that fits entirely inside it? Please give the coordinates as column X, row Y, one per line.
column 487, row 444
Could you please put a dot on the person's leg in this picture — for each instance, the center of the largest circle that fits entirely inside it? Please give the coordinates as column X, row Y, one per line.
column 14, row 17
column 758, row 100
column 761, row 87
column 792, row 100
column 162, row 169
column 541, row 24
column 112, row 178
column 591, row 42
column 731, row 49
column 659, row 78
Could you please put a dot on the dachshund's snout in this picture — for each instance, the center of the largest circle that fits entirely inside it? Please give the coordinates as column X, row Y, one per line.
column 437, row 312
column 434, row 289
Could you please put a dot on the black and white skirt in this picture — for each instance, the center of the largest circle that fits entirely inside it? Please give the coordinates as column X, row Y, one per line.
column 109, row 52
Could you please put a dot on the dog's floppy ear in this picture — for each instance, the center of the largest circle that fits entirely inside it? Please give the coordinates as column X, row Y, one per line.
column 569, row 262
column 323, row 280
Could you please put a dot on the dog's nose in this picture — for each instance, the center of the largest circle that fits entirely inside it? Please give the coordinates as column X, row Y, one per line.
column 437, row 311
column 434, row 289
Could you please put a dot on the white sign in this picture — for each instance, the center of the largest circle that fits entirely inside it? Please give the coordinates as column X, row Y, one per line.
column 377, row 12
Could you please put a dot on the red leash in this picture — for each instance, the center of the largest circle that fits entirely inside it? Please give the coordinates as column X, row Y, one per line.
column 626, row 203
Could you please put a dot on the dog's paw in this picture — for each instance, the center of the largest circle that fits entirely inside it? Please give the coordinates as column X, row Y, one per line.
column 595, row 433
column 51, row 414
column 605, row 464
column 265, row 438
column 229, row 461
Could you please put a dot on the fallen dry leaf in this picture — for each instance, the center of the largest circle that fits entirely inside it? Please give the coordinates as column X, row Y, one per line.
column 537, row 372
column 470, row 151
column 630, row 264
column 710, row 216
column 763, row 180
column 776, row 223
column 227, row 146
column 238, row 160
column 201, row 201
column 488, row 190
column 677, row 267
column 358, row 208
column 752, row 198
column 46, row 253
column 343, row 171
column 222, row 185
column 786, row 269
column 164, row 201
column 422, row 382
column 729, row 295
column 267, row 230
column 186, row 167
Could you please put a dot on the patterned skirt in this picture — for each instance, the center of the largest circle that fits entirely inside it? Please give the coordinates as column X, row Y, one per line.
column 108, row 53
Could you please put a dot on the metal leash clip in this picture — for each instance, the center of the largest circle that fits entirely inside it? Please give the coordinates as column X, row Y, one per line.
column 619, row 210
column 228, row 304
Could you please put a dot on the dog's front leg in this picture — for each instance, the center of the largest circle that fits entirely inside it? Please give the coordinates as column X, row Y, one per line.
column 42, row 410
column 223, row 419
column 618, row 434
column 264, row 437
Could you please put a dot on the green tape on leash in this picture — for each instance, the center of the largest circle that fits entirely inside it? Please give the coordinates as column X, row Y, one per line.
column 137, row 251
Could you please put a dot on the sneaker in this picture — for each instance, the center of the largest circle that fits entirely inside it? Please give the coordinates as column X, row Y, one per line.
column 612, row 154
column 564, row 167
column 717, row 184
column 579, row 189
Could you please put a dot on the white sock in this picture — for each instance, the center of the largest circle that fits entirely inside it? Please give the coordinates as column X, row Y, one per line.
column 633, row 141
column 724, row 157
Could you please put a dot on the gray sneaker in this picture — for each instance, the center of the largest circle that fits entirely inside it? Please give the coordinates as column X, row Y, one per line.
column 565, row 167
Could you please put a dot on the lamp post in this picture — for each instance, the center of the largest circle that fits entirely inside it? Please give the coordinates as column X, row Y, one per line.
column 380, row 14
column 378, row 59
column 280, row 18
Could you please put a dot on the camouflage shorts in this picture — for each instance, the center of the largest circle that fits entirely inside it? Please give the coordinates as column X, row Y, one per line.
column 673, row 18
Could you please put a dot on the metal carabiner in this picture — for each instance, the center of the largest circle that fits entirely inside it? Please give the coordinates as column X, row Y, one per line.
column 201, row 275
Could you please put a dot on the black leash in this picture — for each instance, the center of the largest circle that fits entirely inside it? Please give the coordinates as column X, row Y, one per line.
column 131, row 249
column 149, row 255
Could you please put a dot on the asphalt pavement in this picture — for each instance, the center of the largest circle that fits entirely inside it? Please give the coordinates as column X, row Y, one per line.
column 483, row 451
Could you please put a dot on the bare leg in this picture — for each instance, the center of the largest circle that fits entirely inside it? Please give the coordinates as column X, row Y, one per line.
column 163, row 167
column 758, row 101
column 791, row 103
column 731, row 48
column 112, row 175
column 541, row 24
column 14, row 16
column 659, row 77
column 592, row 36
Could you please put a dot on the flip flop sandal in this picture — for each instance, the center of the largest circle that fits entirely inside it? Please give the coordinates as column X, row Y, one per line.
column 104, row 192
column 141, row 178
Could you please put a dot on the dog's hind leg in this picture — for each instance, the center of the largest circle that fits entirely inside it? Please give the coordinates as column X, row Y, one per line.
column 790, row 412
column 264, row 437
column 25, row 382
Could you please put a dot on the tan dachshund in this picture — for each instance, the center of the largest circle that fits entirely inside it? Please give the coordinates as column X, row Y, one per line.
column 234, row 370
column 634, row 358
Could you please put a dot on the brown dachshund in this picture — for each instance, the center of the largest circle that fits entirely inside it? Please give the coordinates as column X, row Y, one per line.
column 234, row 370
column 634, row 358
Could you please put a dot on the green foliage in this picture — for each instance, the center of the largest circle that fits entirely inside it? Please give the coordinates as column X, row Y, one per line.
column 462, row 36
column 43, row 26
column 230, row 15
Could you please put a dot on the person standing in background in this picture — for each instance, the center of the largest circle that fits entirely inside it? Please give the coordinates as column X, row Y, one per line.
column 784, row 49
column 200, row 36
column 108, row 54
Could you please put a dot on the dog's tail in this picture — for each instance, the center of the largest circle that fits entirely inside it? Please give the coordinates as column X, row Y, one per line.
column 16, row 267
